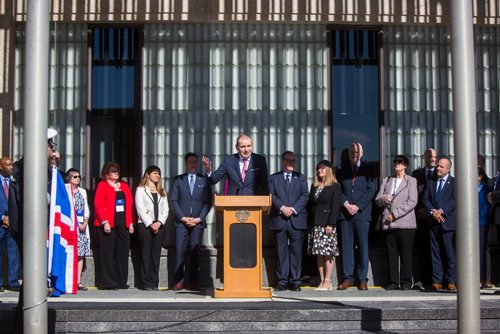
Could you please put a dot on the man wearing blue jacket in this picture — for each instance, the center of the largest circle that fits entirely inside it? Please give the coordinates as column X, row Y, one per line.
column 288, row 220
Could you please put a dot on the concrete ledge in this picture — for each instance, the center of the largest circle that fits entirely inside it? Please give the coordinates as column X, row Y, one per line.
column 375, row 312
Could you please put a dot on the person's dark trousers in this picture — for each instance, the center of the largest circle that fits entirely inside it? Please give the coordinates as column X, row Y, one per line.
column 7, row 239
column 422, row 242
column 483, row 248
column 151, row 245
column 187, row 237
column 353, row 233
column 441, row 239
column 400, row 245
column 289, row 243
column 113, row 252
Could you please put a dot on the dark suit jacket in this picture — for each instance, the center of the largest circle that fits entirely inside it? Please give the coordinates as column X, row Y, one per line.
column 294, row 195
column 421, row 177
column 256, row 181
column 359, row 191
column 183, row 202
column 495, row 210
column 325, row 209
column 10, row 207
column 446, row 201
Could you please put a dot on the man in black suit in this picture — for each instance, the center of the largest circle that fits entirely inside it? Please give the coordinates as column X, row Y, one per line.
column 288, row 220
column 9, row 227
column 439, row 201
column 424, row 174
column 359, row 186
column 246, row 172
column 494, row 200
column 191, row 199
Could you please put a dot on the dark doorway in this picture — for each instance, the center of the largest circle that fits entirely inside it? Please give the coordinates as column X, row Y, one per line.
column 355, row 92
column 114, row 117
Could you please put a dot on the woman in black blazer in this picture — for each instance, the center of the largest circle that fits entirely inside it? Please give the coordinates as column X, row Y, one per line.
column 324, row 208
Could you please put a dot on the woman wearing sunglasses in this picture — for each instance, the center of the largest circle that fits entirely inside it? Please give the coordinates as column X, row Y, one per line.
column 73, row 177
column 398, row 196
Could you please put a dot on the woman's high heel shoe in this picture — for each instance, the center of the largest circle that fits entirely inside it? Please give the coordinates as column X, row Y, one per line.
column 328, row 283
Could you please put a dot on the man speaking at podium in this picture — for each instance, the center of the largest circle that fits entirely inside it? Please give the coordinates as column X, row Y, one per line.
column 246, row 172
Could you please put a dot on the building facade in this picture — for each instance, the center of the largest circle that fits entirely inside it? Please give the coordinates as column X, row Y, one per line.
column 143, row 82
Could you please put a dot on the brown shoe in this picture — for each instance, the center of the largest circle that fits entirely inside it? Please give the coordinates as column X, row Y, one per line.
column 436, row 287
column 452, row 287
column 363, row 285
column 486, row 285
column 345, row 285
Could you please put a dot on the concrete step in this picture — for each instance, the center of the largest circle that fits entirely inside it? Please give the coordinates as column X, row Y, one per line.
column 135, row 311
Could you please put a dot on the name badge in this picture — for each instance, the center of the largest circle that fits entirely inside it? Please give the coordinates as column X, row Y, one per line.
column 120, row 205
column 79, row 215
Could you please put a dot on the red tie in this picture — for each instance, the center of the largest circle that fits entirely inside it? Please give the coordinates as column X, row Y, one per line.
column 6, row 188
column 244, row 170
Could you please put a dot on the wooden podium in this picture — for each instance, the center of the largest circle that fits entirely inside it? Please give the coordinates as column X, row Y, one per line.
column 242, row 245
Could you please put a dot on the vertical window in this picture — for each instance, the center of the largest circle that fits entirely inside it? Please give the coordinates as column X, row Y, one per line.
column 115, row 118
column 355, row 89
column 113, row 68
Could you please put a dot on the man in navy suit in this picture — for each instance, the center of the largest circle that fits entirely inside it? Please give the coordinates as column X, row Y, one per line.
column 288, row 220
column 439, row 201
column 358, row 189
column 8, row 229
column 191, row 199
column 246, row 172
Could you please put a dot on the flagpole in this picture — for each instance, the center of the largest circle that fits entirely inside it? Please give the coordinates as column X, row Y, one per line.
column 35, row 106
column 464, row 122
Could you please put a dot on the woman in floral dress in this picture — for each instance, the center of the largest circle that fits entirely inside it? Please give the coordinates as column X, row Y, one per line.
column 324, row 208
column 73, row 177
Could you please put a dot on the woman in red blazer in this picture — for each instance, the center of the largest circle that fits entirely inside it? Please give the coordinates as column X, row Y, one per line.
column 113, row 221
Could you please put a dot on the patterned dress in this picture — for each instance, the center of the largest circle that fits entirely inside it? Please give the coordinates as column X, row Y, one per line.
column 319, row 242
column 83, row 241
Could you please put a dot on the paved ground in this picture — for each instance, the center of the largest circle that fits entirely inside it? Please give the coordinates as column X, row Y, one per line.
column 375, row 303
column 374, row 294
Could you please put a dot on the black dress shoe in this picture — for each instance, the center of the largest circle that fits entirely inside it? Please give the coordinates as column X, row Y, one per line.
column 405, row 286
column 147, row 288
column 295, row 287
column 15, row 288
column 124, row 287
column 392, row 286
column 281, row 287
column 2, row 289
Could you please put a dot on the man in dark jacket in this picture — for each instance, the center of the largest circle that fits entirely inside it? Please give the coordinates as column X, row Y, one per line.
column 288, row 221
column 358, row 189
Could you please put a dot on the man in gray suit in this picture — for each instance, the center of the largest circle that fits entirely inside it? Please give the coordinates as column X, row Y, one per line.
column 191, row 199
column 288, row 220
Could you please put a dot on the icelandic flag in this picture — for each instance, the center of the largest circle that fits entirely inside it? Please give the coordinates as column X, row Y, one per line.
column 63, row 237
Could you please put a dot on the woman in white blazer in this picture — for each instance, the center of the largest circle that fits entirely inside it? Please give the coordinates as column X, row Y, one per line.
column 73, row 178
column 152, row 208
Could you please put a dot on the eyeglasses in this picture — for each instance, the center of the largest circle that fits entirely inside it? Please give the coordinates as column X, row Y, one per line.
column 77, row 177
column 398, row 161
